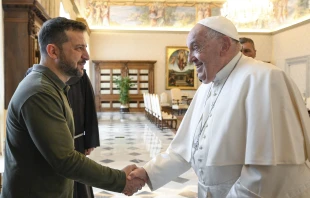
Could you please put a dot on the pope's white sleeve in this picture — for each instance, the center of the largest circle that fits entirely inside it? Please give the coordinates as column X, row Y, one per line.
column 165, row 167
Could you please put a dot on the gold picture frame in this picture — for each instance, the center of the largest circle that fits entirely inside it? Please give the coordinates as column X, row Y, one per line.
column 179, row 72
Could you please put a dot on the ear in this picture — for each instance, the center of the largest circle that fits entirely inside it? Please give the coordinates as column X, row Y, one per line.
column 226, row 44
column 52, row 51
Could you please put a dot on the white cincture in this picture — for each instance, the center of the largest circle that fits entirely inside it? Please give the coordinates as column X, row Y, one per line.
column 79, row 135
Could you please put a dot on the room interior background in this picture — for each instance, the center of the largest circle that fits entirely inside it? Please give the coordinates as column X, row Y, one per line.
column 276, row 39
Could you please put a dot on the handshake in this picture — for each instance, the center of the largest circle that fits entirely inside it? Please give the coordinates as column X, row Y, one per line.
column 135, row 179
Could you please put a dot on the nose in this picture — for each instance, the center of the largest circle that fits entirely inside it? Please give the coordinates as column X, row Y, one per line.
column 85, row 55
column 191, row 58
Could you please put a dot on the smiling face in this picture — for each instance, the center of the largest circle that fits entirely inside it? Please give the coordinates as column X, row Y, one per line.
column 204, row 52
column 73, row 54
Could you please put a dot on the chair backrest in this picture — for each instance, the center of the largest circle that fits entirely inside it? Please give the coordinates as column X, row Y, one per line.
column 175, row 94
column 148, row 102
column 145, row 100
column 157, row 106
column 163, row 97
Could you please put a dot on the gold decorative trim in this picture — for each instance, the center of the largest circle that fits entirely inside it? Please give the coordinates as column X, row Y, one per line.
column 75, row 8
column 185, row 3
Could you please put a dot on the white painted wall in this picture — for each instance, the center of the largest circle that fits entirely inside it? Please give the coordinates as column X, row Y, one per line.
column 291, row 43
column 137, row 46
column 152, row 46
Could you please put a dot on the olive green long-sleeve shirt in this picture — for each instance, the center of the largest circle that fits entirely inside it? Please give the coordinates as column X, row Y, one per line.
column 40, row 160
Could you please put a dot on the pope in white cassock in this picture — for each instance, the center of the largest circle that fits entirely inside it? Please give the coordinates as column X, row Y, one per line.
column 246, row 132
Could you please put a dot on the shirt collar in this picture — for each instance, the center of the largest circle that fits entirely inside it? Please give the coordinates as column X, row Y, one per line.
column 227, row 69
column 50, row 75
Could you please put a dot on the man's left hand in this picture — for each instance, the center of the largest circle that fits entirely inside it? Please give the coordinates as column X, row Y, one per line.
column 88, row 151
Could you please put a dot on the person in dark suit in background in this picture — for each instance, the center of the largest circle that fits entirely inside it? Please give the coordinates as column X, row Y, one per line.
column 248, row 47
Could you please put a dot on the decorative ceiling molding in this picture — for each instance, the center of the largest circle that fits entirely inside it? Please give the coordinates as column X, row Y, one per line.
column 171, row 2
column 289, row 27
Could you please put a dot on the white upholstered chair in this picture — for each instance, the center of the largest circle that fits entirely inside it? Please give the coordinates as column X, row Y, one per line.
column 164, row 100
column 177, row 103
column 164, row 120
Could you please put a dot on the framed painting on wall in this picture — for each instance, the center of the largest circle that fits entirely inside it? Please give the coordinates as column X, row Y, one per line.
column 179, row 72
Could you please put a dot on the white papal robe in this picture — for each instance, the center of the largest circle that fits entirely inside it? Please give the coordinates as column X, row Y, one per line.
column 250, row 128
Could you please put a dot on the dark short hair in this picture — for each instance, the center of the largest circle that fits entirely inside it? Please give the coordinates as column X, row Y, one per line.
column 246, row 40
column 53, row 32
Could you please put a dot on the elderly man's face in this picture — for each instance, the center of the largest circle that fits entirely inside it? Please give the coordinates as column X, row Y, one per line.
column 203, row 52
column 248, row 50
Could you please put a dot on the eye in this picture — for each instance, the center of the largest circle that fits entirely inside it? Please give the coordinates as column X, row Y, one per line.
column 195, row 47
column 80, row 48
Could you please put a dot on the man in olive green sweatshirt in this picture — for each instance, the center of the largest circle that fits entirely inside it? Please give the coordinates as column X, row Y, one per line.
column 40, row 160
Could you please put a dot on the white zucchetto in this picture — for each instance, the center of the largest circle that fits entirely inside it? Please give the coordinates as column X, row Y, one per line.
column 222, row 25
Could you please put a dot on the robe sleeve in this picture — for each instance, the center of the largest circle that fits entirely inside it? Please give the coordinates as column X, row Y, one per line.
column 91, row 120
column 164, row 168
column 277, row 119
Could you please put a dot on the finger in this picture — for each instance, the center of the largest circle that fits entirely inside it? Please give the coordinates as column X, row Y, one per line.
column 87, row 151
column 131, row 175
column 127, row 169
column 130, row 193
column 133, row 167
column 142, row 184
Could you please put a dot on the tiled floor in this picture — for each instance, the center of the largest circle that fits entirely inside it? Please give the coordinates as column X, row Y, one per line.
column 131, row 138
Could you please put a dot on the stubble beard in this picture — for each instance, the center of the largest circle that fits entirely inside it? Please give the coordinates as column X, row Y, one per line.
column 69, row 68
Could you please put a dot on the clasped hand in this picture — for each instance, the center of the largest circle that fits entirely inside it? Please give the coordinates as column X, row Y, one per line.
column 136, row 179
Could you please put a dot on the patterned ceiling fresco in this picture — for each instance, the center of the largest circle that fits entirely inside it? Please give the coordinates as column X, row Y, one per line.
column 147, row 15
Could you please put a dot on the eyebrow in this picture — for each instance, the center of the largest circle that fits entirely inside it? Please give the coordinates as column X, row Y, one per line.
column 81, row 45
column 192, row 42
